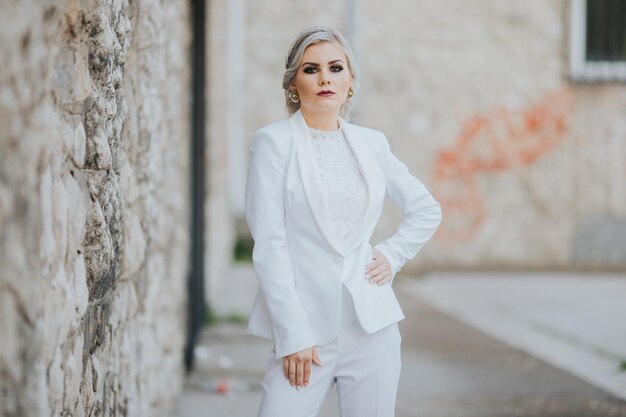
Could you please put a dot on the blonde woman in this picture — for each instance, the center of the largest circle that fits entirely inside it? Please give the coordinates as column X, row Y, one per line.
column 314, row 193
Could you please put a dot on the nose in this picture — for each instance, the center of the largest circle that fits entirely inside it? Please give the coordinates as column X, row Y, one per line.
column 323, row 79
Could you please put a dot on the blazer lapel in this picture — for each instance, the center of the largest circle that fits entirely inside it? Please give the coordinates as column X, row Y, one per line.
column 311, row 180
column 313, row 185
column 359, row 147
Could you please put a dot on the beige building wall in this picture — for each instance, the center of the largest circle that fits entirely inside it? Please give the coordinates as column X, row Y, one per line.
column 94, row 234
column 246, row 47
column 224, row 19
column 482, row 107
column 476, row 98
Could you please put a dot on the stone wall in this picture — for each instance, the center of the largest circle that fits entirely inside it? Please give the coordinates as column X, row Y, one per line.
column 476, row 98
column 94, row 234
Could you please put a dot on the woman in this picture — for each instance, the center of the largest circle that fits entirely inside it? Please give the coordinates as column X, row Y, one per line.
column 315, row 189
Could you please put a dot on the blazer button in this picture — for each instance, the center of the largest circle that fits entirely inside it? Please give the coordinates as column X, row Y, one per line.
column 337, row 260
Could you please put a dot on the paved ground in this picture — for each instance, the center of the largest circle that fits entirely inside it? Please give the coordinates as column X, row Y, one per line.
column 576, row 322
column 449, row 368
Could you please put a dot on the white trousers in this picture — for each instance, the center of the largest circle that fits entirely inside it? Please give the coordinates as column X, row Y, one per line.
column 364, row 367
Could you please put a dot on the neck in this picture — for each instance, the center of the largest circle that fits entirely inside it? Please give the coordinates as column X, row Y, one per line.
column 321, row 120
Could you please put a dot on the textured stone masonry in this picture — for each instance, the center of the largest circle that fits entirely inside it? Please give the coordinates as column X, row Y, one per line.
column 94, row 143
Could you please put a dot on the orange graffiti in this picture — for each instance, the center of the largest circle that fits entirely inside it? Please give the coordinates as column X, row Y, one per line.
column 499, row 141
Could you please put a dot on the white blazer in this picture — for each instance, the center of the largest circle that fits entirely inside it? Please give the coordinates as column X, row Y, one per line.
column 298, row 261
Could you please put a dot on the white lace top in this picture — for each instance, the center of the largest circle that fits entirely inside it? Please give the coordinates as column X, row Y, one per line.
column 343, row 184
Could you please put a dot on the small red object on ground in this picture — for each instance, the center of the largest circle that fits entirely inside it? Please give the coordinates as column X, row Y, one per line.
column 222, row 386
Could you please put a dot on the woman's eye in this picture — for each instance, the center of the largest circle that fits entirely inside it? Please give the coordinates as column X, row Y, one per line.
column 309, row 70
column 336, row 68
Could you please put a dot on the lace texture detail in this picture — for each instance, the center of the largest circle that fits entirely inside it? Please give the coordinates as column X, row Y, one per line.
column 343, row 184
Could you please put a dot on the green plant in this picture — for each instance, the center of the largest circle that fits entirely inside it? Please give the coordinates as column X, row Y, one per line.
column 210, row 318
column 236, row 318
column 243, row 250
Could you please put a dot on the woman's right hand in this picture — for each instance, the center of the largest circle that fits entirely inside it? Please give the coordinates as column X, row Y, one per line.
column 297, row 366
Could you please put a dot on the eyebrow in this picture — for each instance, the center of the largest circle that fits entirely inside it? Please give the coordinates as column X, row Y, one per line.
column 317, row 65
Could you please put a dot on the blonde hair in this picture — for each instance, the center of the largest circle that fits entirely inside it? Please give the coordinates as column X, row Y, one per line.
column 306, row 38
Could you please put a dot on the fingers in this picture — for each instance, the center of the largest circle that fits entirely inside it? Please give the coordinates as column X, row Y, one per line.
column 300, row 374
column 297, row 367
column 292, row 371
column 378, row 261
column 286, row 367
column 316, row 359
column 379, row 271
column 307, row 373
column 385, row 279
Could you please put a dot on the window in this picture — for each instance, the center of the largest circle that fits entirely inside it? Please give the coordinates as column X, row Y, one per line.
column 598, row 40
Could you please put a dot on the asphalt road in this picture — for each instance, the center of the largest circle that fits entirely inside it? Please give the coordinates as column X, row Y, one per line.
column 449, row 369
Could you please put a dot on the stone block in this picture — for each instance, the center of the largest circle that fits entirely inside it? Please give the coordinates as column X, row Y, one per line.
column 11, row 347
column 72, row 370
column 75, row 196
column 60, row 216
column 98, row 154
column 74, row 137
column 134, row 246
column 73, row 82
column 56, row 376
column 125, row 306
column 81, row 292
column 47, row 244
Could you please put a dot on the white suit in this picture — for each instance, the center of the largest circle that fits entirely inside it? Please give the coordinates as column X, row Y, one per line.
column 297, row 259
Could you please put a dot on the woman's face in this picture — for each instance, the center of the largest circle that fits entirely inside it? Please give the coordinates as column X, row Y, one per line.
column 323, row 78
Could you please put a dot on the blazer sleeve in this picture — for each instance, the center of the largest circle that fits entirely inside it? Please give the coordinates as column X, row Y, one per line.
column 421, row 214
column 265, row 214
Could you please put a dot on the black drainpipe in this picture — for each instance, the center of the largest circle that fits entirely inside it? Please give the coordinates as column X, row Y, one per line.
column 195, row 282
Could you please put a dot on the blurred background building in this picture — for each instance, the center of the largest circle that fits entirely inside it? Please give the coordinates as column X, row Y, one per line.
column 124, row 134
column 512, row 113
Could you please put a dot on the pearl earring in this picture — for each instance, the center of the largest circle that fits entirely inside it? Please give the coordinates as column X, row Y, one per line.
column 293, row 96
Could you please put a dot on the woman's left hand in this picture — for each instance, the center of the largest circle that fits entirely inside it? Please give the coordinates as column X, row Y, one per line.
column 379, row 270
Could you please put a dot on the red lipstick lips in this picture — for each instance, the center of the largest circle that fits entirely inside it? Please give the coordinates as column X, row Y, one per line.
column 325, row 93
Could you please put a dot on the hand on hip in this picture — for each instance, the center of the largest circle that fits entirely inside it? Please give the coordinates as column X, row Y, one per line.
column 379, row 270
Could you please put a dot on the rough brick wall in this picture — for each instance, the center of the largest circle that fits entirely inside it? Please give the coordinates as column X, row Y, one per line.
column 94, row 142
